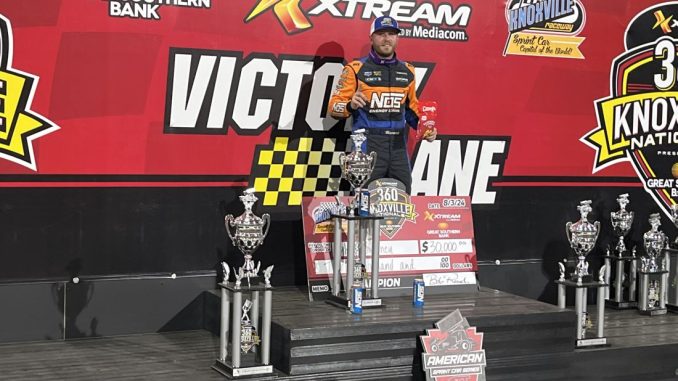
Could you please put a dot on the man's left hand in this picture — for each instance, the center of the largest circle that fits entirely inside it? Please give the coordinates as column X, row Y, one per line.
column 430, row 135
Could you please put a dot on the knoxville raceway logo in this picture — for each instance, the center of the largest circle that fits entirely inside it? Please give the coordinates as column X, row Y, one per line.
column 453, row 351
column 422, row 20
column 19, row 126
column 546, row 28
column 638, row 122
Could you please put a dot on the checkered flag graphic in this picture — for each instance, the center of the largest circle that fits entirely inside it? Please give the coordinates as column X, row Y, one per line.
column 291, row 168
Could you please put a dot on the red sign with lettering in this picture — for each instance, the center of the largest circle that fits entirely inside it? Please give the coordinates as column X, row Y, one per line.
column 427, row 237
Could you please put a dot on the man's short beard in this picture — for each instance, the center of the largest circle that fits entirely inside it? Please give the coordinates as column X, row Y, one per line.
column 384, row 55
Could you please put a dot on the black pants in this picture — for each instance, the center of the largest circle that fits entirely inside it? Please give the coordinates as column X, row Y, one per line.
column 392, row 159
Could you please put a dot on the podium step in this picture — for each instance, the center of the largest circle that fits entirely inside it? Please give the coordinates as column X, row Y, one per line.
column 316, row 338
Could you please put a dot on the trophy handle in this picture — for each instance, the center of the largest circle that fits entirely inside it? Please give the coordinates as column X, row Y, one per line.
column 597, row 225
column 267, row 220
column 229, row 220
column 568, row 233
column 373, row 155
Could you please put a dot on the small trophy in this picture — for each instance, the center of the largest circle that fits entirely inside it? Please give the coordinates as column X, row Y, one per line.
column 674, row 219
column 653, row 276
column 672, row 264
column 248, row 333
column 622, row 262
column 582, row 236
column 249, row 233
column 356, row 168
column 621, row 222
column 654, row 241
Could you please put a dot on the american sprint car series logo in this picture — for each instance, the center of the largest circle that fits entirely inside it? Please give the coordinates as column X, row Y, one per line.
column 423, row 20
column 19, row 125
column 638, row 122
column 546, row 28
column 453, row 351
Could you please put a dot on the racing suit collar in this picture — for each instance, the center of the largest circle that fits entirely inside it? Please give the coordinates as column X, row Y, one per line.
column 382, row 61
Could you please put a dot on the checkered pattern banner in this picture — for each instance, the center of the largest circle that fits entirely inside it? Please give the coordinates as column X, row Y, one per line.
column 291, row 168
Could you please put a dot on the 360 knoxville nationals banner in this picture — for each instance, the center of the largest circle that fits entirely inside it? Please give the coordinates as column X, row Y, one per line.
column 427, row 237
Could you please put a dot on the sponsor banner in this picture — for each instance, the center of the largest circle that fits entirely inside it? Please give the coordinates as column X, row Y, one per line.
column 198, row 93
column 453, row 351
column 425, row 20
column 637, row 121
column 545, row 28
column 432, row 238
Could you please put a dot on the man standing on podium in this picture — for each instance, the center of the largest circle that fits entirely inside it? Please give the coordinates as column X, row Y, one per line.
column 378, row 91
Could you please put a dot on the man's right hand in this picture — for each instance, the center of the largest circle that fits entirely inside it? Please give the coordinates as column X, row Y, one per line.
column 359, row 99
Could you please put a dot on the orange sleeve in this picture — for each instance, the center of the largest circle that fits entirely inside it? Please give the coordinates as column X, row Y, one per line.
column 346, row 87
column 412, row 101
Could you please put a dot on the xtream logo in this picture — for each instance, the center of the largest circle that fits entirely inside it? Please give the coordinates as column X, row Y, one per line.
column 442, row 21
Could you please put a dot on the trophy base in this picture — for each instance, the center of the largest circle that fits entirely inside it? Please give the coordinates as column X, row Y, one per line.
column 595, row 342
column 620, row 305
column 245, row 372
column 672, row 308
column 653, row 312
column 623, row 257
column 341, row 302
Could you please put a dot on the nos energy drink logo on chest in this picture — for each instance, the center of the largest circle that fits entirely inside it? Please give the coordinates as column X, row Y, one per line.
column 638, row 122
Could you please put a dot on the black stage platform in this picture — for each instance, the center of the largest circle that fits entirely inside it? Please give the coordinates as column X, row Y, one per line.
column 524, row 340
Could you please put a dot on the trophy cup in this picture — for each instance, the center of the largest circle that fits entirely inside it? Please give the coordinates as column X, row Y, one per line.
column 249, row 233
column 621, row 224
column 672, row 265
column 356, row 168
column 247, row 340
column 582, row 236
column 653, row 276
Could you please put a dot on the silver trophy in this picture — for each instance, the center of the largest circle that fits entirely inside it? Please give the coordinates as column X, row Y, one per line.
column 621, row 222
column 248, row 333
column 357, row 166
column 674, row 219
column 249, row 232
column 582, row 236
column 654, row 241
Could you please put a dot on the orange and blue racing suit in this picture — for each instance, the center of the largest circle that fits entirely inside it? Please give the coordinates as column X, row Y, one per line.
column 392, row 105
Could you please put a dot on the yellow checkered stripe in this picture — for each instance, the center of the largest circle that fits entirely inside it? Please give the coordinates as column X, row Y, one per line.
column 3, row 96
column 292, row 168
